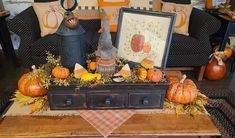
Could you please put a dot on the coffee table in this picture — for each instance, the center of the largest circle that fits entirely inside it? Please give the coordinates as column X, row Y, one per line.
column 139, row 125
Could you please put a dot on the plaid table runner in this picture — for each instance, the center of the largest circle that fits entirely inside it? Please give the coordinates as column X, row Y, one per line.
column 106, row 121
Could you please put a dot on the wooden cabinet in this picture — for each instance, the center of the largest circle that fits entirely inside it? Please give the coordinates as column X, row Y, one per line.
column 109, row 96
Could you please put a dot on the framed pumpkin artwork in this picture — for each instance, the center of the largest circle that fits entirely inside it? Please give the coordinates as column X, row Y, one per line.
column 144, row 34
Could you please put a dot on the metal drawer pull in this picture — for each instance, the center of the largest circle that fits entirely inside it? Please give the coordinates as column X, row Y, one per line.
column 145, row 101
column 107, row 101
column 68, row 102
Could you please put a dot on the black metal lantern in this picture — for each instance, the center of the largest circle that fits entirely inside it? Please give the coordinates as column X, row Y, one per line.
column 72, row 38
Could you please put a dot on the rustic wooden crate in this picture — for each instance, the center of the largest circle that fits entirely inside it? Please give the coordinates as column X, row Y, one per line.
column 108, row 96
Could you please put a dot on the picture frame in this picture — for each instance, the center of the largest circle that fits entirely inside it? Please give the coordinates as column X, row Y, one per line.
column 144, row 34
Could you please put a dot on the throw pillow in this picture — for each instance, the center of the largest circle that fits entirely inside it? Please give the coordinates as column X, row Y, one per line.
column 44, row 0
column 183, row 12
column 178, row 1
column 88, row 9
column 50, row 16
column 112, row 11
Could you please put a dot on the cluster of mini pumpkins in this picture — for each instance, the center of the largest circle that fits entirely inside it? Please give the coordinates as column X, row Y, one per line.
column 147, row 71
column 31, row 83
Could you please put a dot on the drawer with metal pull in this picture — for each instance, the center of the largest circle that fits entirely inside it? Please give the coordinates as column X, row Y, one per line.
column 107, row 100
column 145, row 100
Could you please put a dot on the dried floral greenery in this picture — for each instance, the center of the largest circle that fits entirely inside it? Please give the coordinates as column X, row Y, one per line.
column 37, row 103
column 194, row 108
column 44, row 71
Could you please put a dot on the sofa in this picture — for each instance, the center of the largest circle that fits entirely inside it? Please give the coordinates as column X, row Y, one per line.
column 185, row 51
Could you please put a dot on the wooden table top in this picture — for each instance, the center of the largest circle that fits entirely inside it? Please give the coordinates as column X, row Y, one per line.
column 137, row 125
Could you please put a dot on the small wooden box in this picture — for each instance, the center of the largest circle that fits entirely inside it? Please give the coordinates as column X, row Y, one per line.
column 108, row 96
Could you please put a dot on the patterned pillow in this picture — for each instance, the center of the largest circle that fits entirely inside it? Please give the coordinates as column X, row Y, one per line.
column 112, row 11
column 183, row 12
column 50, row 15
column 89, row 9
column 178, row 1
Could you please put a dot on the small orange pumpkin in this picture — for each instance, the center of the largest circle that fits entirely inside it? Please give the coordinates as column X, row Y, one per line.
column 154, row 75
column 182, row 91
column 147, row 47
column 142, row 73
column 60, row 72
column 31, row 86
column 228, row 52
column 92, row 66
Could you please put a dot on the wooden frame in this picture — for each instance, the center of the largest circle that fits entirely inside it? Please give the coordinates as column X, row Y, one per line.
column 149, row 28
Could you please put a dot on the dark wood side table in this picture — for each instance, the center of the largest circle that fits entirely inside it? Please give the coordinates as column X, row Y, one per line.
column 5, row 39
column 227, row 29
column 233, row 62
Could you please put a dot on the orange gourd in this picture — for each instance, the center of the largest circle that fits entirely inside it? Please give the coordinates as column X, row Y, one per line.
column 182, row 91
column 31, row 86
column 154, row 75
column 60, row 72
column 142, row 73
column 214, row 71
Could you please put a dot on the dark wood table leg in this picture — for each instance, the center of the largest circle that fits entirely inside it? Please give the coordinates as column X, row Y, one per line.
column 232, row 68
column 225, row 38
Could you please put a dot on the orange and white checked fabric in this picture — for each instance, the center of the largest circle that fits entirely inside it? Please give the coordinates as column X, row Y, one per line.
column 106, row 121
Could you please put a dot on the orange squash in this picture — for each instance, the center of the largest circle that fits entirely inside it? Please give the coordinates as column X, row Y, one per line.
column 182, row 91
column 31, row 86
column 142, row 73
column 60, row 72
column 154, row 75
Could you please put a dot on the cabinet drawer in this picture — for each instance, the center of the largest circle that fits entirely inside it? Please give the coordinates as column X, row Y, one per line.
column 110, row 100
column 146, row 100
column 75, row 101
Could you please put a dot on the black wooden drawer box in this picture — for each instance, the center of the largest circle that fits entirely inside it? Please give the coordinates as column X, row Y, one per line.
column 108, row 96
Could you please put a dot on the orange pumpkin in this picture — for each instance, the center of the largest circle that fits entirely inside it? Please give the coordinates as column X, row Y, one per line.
column 154, row 75
column 31, row 86
column 182, row 91
column 147, row 47
column 92, row 66
column 60, row 72
column 137, row 43
column 228, row 52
